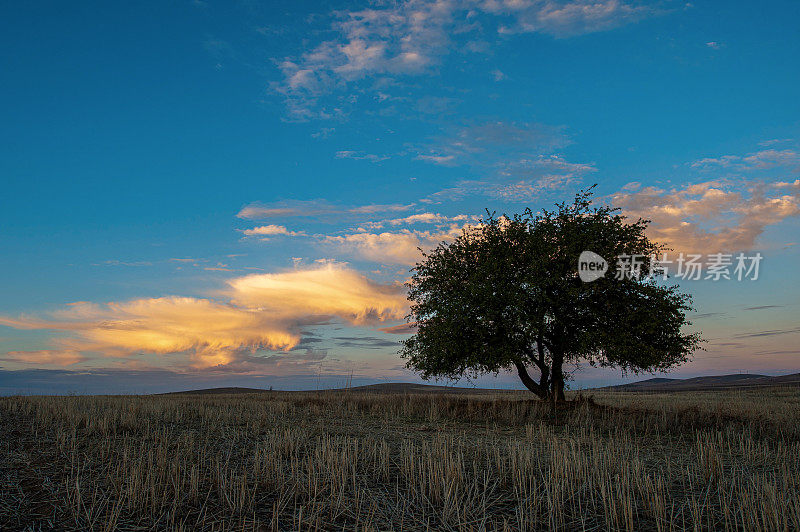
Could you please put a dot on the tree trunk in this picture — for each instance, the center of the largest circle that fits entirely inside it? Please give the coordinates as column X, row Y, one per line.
column 558, row 390
column 557, row 379
column 539, row 389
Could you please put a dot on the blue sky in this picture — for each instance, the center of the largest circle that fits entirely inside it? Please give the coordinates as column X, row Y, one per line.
column 238, row 189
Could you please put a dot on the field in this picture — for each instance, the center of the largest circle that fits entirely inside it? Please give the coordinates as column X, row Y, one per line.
column 349, row 460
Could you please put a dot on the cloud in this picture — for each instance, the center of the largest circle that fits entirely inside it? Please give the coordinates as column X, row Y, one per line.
column 377, row 207
column 403, row 328
column 187, row 260
column 761, row 160
column 47, row 357
column 365, row 342
column 498, row 75
column 712, row 216
column 360, row 156
column 772, row 142
column 421, row 218
column 411, row 37
column 327, row 290
column 405, row 37
column 566, row 19
column 210, row 331
column 260, row 312
column 493, row 142
column 774, row 332
column 400, row 247
column 515, row 157
column 271, row 230
column 294, row 208
column 523, row 182
column 114, row 262
column 437, row 159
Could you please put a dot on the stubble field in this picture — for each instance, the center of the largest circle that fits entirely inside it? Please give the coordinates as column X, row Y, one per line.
column 347, row 460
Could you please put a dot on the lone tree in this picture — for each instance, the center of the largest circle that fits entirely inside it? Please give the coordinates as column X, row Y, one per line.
column 507, row 294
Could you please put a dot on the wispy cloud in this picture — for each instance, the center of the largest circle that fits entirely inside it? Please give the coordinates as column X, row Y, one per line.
column 307, row 208
column 498, row 75
column 516, row 158
column 360, row 156
column 421, row 218
column 493, row 143
column 115, row 262
column 47, row 357
column 566, row 19
column 445, row 160
column 403, row 328
column 760, row 160
column 773, row 332
column 410, row 37
column 523, row 182
column 365, row 342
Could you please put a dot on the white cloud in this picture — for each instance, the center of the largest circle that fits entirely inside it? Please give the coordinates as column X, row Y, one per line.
column 271, row 230
column 492, row 143
column 360, row 156
column 411, row 37
column 421, row 218
column 379, row 207
column 760, row 160
column 498, row 74
column 437, row 159
column 566, row 19
column 523, row 181
column 400, row 247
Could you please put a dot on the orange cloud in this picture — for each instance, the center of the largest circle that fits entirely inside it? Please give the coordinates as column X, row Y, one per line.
column 264, row 312
column 330, row 289
column 47, row 356
column 712, row 216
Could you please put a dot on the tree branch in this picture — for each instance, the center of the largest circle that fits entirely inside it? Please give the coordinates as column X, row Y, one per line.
column 538, row 389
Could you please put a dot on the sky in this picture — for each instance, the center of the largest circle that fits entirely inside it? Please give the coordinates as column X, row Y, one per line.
column 201, row 193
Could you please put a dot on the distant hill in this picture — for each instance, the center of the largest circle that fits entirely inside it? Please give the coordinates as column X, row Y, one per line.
column 739, row 380
column 391, row 387
column 658, row 384
column 217, row 391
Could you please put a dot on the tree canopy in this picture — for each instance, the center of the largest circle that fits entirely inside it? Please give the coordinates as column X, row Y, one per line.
column 507, row 294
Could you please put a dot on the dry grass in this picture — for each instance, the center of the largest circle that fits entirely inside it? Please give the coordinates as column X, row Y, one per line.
column 298, row 461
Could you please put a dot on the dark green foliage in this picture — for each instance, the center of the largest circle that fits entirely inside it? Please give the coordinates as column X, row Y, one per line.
column 506, row 294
